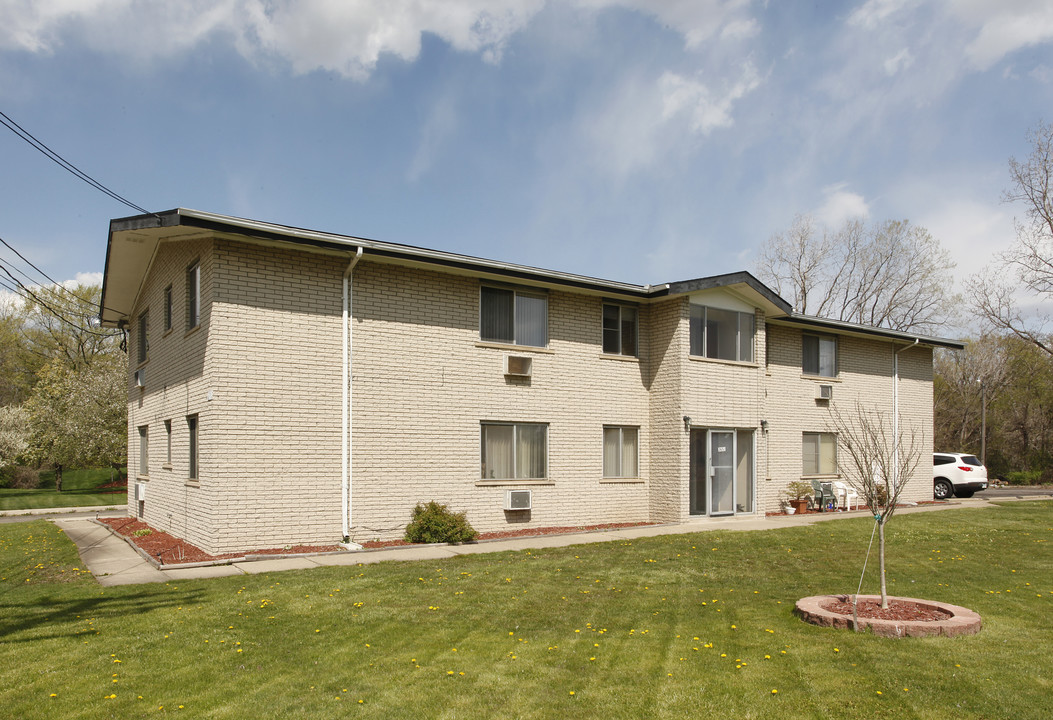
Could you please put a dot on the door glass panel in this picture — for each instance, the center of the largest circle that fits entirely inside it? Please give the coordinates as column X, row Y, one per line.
column 722, row 472
column 744, row 472
column 698, row 472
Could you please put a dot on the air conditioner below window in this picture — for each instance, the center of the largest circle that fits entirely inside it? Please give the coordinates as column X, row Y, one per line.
column 518, row 366
column 825, row 392
column 517, row 500
column 140, row 492
column 140, row 378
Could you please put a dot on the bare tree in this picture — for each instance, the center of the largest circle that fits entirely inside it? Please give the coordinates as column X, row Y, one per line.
column 967, row 382
column 1029, row 263
column 878, row 459
column 890, row 274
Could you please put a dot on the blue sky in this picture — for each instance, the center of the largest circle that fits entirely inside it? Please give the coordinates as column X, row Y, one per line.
column 629, row 140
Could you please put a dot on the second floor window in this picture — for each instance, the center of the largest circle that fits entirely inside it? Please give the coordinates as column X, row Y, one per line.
column 141, row 342
column 819, row 355
column 721, row 334
column 513, row 317
column 619, row 330
column 193, row 296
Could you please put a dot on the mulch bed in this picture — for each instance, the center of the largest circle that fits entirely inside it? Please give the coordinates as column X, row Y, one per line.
column 117, row 486
column 170, row 550
column 525, row 532
column 898, row 610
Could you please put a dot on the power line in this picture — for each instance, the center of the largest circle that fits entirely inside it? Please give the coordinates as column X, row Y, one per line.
column 21, row 132
column 23, row 291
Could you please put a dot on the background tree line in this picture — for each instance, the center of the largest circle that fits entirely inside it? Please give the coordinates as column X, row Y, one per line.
column 63, row 394
column 996, row 396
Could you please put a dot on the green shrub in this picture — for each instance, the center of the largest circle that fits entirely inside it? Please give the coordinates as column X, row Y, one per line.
column 19, row 477
column 142, row 532
column 1024, row 477
column 435, row 523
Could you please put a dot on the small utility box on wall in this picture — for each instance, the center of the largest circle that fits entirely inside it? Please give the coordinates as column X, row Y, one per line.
column 518, row 500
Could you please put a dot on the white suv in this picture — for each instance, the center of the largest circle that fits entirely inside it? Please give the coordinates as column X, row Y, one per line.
column 957, row 474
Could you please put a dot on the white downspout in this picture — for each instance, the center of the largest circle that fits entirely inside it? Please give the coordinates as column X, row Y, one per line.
column 345, row 430
column 895, row 408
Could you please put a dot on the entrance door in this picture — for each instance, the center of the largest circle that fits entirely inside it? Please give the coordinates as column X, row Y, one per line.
column 721, row 472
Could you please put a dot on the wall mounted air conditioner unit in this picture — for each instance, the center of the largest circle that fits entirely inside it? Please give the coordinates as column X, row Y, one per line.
column 140, row 378
column 140, row 492
column 517, row 500
column 825, row 392
column 518, row 366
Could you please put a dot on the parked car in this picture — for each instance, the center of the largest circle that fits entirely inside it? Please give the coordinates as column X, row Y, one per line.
column 957, row 474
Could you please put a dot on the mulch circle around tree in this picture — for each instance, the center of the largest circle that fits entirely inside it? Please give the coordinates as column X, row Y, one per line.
column 904, row 617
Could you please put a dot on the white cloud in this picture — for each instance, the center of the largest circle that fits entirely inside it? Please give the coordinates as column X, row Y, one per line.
column 899, row 62
column 706, row 109
column 840, row 205
column 342, row 36
column 875, row 12
column 648, row 121
column 82, row 278
column 1004, row 27
column 435, row 131
column 1042, row 73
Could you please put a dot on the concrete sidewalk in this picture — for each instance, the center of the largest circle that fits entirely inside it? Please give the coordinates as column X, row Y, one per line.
column 113, row 561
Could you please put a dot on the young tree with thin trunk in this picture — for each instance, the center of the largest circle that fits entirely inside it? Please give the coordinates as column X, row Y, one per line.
column 878, row 459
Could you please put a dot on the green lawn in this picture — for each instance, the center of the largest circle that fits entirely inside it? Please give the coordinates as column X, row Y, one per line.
column 695, row 625
column 80, row 488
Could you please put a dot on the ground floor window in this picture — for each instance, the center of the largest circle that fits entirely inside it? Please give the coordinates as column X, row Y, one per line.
column 621, row 452
column 514, row 451
column 144, row 450
column 819, row 452
column 721, row 473
column 191, row 424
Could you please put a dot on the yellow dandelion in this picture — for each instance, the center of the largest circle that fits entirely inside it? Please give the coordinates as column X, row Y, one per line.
column 774, row 691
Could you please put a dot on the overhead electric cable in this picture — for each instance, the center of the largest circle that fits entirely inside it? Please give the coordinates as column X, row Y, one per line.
column 46, row 306
column 21, row 132
column 46, row 276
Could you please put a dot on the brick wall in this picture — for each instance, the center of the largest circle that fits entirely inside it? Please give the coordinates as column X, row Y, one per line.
column 262, row 372
column 424, row 383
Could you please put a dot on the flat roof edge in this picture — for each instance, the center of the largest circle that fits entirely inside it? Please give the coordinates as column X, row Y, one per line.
column 843, row 326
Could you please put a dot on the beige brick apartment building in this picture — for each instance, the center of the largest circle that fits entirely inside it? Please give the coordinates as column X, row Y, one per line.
column 289, row 386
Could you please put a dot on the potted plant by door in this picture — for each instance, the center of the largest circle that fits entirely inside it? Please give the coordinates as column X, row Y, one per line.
column 797, row 493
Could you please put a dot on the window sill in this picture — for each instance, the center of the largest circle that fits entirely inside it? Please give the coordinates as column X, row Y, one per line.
column 166, row 333
column 512, row 481
column 622, row 481
column 622, row 358
column 142, row 478
column 514, row 348
column 718, row 361
column 193, row 483
column 821, row 378
column 166, row 466
column 834, row 476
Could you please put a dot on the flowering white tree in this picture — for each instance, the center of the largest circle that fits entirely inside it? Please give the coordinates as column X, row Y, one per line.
column 14, row 441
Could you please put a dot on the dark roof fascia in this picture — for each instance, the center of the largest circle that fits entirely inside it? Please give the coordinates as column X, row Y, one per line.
column 331, row 241
column 829, row 325
column 720, row 281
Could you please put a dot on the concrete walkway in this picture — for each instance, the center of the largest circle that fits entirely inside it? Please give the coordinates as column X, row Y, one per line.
column 113, row 562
